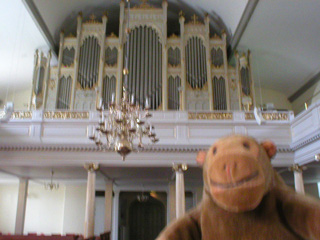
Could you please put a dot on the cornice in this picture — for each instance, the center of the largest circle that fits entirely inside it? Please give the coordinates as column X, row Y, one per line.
column 192, row 149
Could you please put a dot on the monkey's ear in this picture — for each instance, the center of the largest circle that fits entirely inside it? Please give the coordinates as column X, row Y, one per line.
column 201, row 157
column 270, row 148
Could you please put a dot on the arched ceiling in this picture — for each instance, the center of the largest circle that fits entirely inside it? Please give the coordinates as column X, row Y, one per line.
column 61, row 14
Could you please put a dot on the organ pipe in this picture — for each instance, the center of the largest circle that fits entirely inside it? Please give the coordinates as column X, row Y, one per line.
column 64, row 93
column 174, row 95
column 89, row 62
column 109, row 87
column 219, row 91
column 196, row 63
column 145, row 65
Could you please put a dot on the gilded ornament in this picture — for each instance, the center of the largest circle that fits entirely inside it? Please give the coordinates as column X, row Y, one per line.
column 173, row 36
column 269, row 116
column 22, row 115
column 66, row 115
column 112, row 35
column 210, row 116
column 297, row 168
column 143, row 5
column 180, row 167
column 91, row 167
column 92, row 19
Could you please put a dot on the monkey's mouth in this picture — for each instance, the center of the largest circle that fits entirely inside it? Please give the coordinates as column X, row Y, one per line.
column 235, row 184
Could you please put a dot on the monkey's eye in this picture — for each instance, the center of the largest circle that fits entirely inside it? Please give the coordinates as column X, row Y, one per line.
column 246, row 145
column 214, row 150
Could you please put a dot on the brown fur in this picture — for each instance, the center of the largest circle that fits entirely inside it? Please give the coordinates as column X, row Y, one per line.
column 244, row 198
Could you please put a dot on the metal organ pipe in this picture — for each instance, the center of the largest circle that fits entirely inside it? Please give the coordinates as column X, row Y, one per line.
column 154, row 61
column 196, row 63
column 150, row 61
column 202, row 61
column 197, row 55
column 130, row 62
column 133, row 60
column 89, row 62
column 145, row 66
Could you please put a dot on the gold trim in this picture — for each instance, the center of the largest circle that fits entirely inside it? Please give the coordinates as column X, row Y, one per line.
column 112, row 35
column 92, row 19
column 180, row 167
column 173, row 36
column 22, row 115
column 210, row 116
column 195, row 20
column 215, row 37
column 91, row 167
column 269, row 116
column 66, row 115
column 296, row 168
column 144, row 5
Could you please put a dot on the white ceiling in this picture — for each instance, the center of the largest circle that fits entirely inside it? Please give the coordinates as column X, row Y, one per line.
column 56, row 13
column 283, row 37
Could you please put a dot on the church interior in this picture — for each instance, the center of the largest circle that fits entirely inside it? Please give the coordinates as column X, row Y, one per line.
column 104, row 106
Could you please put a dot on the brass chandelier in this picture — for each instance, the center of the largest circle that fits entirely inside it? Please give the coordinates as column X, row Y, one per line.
column 126, row 123
column 50, row 186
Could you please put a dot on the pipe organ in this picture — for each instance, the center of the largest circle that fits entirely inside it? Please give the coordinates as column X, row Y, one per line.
column 185, row 72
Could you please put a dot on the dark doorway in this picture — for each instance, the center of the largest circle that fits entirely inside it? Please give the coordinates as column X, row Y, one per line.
column 146, row 219
column 142, row 218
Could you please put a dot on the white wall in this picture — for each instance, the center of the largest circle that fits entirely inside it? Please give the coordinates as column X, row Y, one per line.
column 8, row 207
column 74, row 210
column 20, row 98
column 312, row 95
column 44, row 211
column 279, row 100
column 99, row 215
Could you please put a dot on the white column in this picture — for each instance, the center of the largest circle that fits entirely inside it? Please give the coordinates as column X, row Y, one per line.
column 180, row 192
column 108, row 207
column 21, row 208
column 115, row 216
column 298, row 178
column 90, row 200
column 172, row 201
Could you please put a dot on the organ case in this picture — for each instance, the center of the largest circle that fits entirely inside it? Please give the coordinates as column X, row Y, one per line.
column 185, row 72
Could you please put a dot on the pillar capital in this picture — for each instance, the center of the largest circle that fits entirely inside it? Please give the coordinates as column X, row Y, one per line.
column 91, row 167
column 296, row 168
column 181, row 167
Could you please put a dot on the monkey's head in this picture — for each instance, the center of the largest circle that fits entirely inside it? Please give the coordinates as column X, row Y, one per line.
column 237, row 172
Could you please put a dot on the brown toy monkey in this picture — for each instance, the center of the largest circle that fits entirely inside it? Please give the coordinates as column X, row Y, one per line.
column 244, row 198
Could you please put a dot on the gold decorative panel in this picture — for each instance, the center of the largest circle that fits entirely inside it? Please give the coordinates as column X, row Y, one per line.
column 210, row 116
column 66, row 115
column 22, row 115
column 269, row 116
